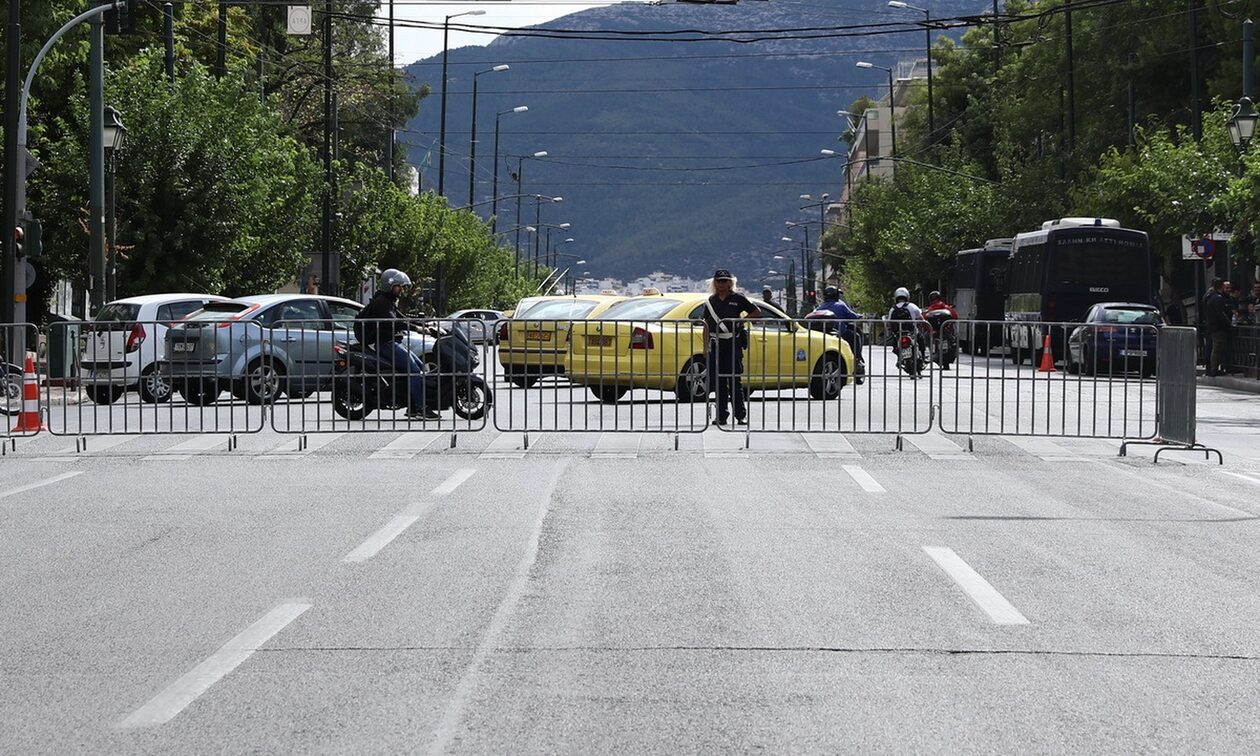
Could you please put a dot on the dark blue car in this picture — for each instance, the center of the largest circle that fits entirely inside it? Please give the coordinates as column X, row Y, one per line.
column 1115, row 338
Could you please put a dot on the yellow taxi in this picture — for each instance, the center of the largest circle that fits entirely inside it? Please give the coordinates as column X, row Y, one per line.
column 658, row 343
column 533, row 343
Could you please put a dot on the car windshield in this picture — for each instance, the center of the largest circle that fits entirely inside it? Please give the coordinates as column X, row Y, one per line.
column 123, row 315
column 1132, row 315
column 217, row 311
column 566, row 309
column 640, row 309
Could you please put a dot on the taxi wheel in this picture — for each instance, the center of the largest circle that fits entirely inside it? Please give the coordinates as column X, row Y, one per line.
column 103, row 394
column 828, row 378
column 608, row 394
column 523, row 380
column 693, row 381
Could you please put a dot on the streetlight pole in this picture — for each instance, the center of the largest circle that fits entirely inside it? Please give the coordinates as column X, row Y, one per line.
column 927, row 30
column 446, row 33
column 472, row 140
column 520, row 182
column 494, row 192
column 892, row 106
column 115, row 135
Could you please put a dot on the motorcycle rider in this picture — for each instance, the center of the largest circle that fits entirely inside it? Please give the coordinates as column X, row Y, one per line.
column 937, row 302
column 833, row 307
column 377, row 328
column 937, row 313
column 907, row 316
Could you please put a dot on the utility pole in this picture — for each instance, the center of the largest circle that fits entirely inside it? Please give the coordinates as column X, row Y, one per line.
column 1196, row 105
column 168, row 32
column 997, row 50
column 13, row 163
column 96, row 162
column 326, row 240
column 1071, row 75
column 389, row 144
column 220, row 64
column 446, row 34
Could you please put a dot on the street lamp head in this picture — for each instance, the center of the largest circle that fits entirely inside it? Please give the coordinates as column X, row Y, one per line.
column 114, row 132
column 897, row 4
column 580, row 262
column 530, row 229
column 569, row 240
column 864, row 64
column 785, row 238
column 565, row 226
column 557, row 199
column 807, row 197
column 521, row 109
column 1242, row 123
column 503, row 67
column 825, row 196
column 827, row 153
column 540, row 153
column 474, row 13
column 778, row 257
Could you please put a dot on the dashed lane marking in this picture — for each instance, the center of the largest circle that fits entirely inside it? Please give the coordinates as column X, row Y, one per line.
column 985, row 596
column 456, row 480
column 166, row 705
column 40, row 484
column 864, row 479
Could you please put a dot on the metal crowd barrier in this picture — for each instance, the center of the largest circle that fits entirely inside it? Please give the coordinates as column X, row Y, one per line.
column 330, row 383
column 154, row 377
column 600, row 375
column 21, row 416
column 1100, row 387
column 1178, row 397
column 1243, row 354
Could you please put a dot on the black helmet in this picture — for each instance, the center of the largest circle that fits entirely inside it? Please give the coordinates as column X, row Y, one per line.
column 935, row 295
column 831, row 293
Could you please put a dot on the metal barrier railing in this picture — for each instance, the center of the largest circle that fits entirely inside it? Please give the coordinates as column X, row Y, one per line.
column 22, row 417
column 1100, row 386
column 402, row 376
column 154, row 377
column 601, row 375
column 1178, row 396
column 1242, row 357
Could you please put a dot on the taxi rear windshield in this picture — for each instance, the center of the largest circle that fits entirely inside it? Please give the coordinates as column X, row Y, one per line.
column 568, row 309
column 640, row 309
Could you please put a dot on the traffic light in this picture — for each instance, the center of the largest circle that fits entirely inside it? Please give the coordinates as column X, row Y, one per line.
column 122, row 19
column 34, row 238
column 811, row 298
column 19, row 235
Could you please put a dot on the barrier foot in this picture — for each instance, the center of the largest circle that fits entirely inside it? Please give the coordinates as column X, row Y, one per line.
column 454, row 436
column 1165, row 446
column 526, row 439
column 971, row 444
column 898, row 446
column 675, row 442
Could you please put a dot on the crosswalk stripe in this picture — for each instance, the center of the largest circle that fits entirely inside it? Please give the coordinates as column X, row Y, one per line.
column 720, row 443
column 405, row 446
column 1045, row 449
column 830, row 446
column 97, row 445
column 289, row 449
column 510, row 445
column 937, row 446
column 617, row 446
column 864, row 479
column 188, row 449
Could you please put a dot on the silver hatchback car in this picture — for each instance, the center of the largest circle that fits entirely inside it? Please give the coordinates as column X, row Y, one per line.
column 258, row 347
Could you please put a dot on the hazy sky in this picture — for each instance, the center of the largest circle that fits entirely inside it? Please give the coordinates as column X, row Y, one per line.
column 411, row 45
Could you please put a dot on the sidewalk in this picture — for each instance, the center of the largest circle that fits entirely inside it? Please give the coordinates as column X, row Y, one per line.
column 1232, row 382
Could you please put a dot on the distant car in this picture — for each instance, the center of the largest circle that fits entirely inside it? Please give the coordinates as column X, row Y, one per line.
column 1115, row 337
column 125, row 345
column 480, row 326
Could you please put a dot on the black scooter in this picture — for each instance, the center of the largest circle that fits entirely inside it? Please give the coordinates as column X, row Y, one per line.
column 363, row 382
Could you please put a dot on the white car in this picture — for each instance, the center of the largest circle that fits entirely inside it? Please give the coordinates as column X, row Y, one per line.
column 125, row 343
column 480, row 326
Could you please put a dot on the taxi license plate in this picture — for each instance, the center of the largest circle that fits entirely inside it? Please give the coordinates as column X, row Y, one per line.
column 538, row 335
column 1133, row 353
column 599, row 341
column 182, row 346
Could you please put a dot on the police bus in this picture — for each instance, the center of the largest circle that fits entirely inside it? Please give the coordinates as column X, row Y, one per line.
column 980, row 294
column 1059, row 270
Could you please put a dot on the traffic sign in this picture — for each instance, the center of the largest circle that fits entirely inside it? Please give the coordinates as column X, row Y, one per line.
column 1197, row 249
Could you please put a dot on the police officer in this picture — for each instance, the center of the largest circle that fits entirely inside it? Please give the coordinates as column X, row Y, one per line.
column 727, row 341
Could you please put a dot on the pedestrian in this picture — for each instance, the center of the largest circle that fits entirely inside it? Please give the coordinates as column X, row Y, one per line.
column 1216, row 324
column 1253, row 305
column 767, row 296
column 726, row 342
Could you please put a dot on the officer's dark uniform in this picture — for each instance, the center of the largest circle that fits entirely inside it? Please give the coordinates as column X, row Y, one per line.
column 726, row 343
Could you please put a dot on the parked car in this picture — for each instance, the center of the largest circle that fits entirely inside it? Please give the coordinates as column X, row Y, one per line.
column 1115, row 337
column 658, row 343
column 258, row 347
column 534, row 342
column 124, row 345
column 480, row 326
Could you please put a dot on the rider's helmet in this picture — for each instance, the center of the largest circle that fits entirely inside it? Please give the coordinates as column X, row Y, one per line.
column 831, row 294
column 393, row 277
column 935, row 297
column 901, row 293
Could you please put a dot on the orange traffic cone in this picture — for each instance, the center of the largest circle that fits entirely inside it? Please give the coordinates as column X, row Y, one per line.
column 1047, row 357
column 30, row 421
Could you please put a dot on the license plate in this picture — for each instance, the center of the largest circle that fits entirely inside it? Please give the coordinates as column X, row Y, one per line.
column 599, row 341
column 538, row 335
column 1133, row 353
column 182, row 346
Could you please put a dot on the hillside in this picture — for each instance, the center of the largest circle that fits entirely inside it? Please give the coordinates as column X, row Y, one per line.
column 685, row 156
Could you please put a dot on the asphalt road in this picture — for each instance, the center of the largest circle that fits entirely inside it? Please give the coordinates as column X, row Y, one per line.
column 373, row 592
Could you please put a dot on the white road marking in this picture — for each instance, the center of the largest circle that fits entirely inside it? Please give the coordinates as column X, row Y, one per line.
column 96, row 445
column 936, row 446
column 864, row 479
column 405, row 446
column 617, row 446
column 830, row 446
column 976, row 587
column 509, row 445
column 444, row 734
column 455, row 481
column 1241, row 476
column 40, row 484
column 163, row 707
column 189, row 448
column 1044, row 449
column 289, row 449
column 380, row 539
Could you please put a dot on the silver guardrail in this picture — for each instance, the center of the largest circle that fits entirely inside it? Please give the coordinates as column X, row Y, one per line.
column 1096, row 380
column 415, row 375
column 21, row 411
column 1178, row 397
column 155, row 377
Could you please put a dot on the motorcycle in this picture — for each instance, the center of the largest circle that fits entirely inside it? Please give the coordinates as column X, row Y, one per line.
column 363, row 382
column 944, row 338
column 825, row 322
column 909, row 355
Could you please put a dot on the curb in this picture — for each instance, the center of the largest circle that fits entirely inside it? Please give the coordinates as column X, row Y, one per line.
column 1233, row 383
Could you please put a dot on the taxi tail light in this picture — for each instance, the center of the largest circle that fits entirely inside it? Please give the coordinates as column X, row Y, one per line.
column 135, row 338
column 641, row 338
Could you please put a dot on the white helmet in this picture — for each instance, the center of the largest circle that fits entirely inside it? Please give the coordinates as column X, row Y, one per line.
column 901, row 293
column 393, row 277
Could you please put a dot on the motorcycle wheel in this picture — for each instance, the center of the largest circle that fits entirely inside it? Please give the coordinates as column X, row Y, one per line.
column 349, row 403
column 471, row 400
